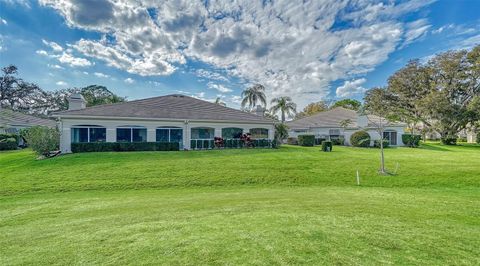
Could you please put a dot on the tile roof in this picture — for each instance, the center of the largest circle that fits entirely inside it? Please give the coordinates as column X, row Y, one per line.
column 13, row 118
column 333, row 118
column 173, row 106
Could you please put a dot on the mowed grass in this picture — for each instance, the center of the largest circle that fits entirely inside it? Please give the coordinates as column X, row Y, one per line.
column 294, row 205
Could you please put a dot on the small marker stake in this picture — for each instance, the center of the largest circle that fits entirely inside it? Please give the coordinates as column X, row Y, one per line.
column 358, row 178
column 396, row 168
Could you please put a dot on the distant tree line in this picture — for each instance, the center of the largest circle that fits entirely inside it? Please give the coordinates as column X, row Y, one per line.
column 19, row 95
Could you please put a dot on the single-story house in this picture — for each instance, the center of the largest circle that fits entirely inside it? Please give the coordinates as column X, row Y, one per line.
column 471, row 137
column 342, row 123
column 170, row 118
column 12, row 122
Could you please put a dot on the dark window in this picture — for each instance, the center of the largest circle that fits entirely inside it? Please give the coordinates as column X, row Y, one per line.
column 89, row 134
column 98, row 134
column 170, row 134
column 139, row 134
column 79, row 134
column 176, row 135
column 203, row 133
column 391, row 136
column 232, row 133
column 259, row 133
column 162, row 134
column 124, row 134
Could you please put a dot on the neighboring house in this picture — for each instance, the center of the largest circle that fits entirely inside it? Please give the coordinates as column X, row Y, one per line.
column 12, row 122
column 332, row 124
column 172, row 118
column 471, row 137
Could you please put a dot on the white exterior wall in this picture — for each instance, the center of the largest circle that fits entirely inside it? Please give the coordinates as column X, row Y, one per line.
column 471, row 137
column 318, row 132
column 151, row 125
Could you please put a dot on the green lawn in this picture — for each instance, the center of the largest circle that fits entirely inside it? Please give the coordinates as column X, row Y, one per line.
column 294, row 205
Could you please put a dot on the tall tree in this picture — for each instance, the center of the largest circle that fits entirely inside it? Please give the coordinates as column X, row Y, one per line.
column 312, row 108
column 281, row 132
column 284, row 105
column 254, row 95
column 93, row 94
column 348, row 103
column 97, row 95
column 411, row 85
column 455, row 77
column 378, row 109
column 271, row 115
column 17, row 94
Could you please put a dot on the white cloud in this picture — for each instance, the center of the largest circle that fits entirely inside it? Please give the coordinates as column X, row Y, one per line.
column 53, row 45
column 415, row 30
column 73, row 61
column 3, row 21
column 101, row 75
column 151, row 64
column 85, row 72
column 23, row 3
column 54, row 66
column 42, row 52
column 236, row 99
column 469, row 42
column 218, row 87
column 203, row 73
column 62, row 83
column 292, row 48
column 351, row 88
column 443, row 28
column 129, row 80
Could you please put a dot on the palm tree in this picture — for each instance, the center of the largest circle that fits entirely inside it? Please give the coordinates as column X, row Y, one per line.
column 285, row 105
column 220, row 102
column 254, row 95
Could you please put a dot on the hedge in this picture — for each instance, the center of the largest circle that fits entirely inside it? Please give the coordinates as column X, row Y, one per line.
column 5, row 136
column 339, row 141
column 360, row 139
column 231, row 144
column 376, row 143
column 327, row 146
column 306, row 140
column 449, row 140
column 8, row 144
column 411, row 140
column 125, row 146
column 478, row 137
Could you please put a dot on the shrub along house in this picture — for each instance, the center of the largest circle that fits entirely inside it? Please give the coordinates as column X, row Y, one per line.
column 340, row 123
column 190, row 122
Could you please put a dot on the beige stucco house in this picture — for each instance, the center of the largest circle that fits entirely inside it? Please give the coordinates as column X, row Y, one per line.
column 171, row 118
column 342, row 123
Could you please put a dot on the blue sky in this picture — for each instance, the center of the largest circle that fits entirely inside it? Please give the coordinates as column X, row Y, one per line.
column 309, row 51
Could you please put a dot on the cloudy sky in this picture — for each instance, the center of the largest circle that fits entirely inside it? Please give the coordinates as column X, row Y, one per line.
column 309, row 50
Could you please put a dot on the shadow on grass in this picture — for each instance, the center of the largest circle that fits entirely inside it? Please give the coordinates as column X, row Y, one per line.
column 433, row 147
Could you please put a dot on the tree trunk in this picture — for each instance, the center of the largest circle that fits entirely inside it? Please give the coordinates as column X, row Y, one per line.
column 382, row 156
column 283, row 116
column 413, row 134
